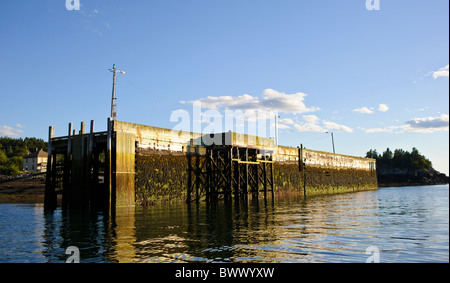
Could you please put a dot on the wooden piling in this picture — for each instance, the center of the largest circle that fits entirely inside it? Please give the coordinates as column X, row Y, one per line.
column 67, row 170
column 50, row 200
column 108, row 165
column 189, row 182
column 302, row 168
column 197, row 175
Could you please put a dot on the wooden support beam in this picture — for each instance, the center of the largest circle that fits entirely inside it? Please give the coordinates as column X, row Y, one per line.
column 82, row 128
column 237, row 175
column 246, row 173
column 302, row 168
column 197, row 177
column 265, row 178
column 256, row 189
column 189, row 185
column 271, row 181
column 230, row 173
column 67, row 170
column 50, row 201
column 88, row 163
column 108, row 167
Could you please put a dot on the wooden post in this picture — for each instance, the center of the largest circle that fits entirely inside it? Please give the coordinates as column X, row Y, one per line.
column 303, row 169
column 69, row 140
column 108, row 167
column 91, row 138
column 208, row 174
column 89, row 163
column 189, row 188
column 246, row 173
column 237, row 175
column 84, row 180
column 255, row 174
column 67, row 170
column 50, row 201
column 300, row 158
column 265, row 175
column 197, row 174
column 82, row 128
column 230, row 173
column 272, row 178
column 53, row 193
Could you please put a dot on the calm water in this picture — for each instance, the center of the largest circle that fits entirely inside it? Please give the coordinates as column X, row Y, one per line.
column 408, row 224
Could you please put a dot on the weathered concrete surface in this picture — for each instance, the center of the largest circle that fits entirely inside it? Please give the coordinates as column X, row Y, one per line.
column 161, row 165
column 147, row 165
column 149, row 137
column 125, row 169
column 321, row 180
column 161, row 177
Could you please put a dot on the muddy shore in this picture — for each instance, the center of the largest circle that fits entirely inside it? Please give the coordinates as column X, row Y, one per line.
column 26, row 190
column 32, row 190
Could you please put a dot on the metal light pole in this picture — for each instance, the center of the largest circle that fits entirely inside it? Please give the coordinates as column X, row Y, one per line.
column 332, row 140
column 276, row 129
column 113, row 100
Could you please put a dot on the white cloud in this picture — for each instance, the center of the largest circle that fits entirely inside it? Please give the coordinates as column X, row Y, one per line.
column 417, row 125
column 314, row 124
column 271, row 100
column 363, row 110
column 286, row 121
column 311, row 118
column 7, row 131
column 383, row 108
column 308, row 127
column 391, row 129
column 442, row 72
column 283, row 127
column 429, row 124
column 335, row 126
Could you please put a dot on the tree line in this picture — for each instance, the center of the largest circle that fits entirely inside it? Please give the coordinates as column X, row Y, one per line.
column 400, row 161
column 12, row 151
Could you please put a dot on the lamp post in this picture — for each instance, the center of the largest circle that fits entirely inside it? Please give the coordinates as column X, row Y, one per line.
column 332, row 140
column 113, row 100
column 276, row 129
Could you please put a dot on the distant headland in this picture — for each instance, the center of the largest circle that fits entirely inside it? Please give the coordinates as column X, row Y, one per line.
column 403, row 168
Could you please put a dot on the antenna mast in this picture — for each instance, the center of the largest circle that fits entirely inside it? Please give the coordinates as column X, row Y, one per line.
column 114, row 99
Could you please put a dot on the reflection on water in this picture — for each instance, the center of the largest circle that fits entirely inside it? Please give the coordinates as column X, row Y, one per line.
column 406, row 224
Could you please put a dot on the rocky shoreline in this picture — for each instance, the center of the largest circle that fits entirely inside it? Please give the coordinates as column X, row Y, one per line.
column 24, row 188
column 397, row 180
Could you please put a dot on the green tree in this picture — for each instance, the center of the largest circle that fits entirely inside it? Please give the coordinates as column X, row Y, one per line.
column 412, row 162
column 388, row 154
column 16, row 161
column 3, row 158
column 10, row 151
column 372, row 154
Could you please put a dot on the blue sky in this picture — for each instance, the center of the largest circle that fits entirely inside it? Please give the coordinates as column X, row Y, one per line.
column 375, row 78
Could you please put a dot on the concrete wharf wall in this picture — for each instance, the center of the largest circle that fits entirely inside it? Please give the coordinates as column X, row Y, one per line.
column 161, row 165
column 148, row 165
